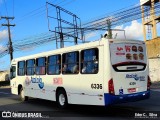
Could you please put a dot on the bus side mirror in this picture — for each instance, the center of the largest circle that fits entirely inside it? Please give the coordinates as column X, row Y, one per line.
column 13, row 69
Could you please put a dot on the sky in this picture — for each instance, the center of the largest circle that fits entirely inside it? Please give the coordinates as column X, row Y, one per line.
column 31, row 19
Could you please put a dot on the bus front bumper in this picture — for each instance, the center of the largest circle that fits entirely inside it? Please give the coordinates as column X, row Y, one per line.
column 115, row 99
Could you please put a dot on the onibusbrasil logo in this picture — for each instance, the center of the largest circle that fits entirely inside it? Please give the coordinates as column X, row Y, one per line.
column 9, row 114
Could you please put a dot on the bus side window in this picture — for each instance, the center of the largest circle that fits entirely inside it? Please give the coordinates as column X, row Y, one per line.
column 30, row 67
column 13, row 72
column 54, row 65
column 21, row 68
column 70, row 63
column 41, row 66
column 89, row 61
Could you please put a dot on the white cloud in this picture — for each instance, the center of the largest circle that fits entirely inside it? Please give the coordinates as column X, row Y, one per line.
column 90, row 35
column 132, row 31
column 3, row 35
column 119, row 27
column 2, row 48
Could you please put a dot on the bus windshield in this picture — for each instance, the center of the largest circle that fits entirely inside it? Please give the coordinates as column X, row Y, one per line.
column 12, row 72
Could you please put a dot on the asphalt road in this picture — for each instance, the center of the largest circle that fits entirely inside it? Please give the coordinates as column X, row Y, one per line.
column 147, row 108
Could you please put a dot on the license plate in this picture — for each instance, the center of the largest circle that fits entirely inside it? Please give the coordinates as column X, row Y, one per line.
column 131, row 90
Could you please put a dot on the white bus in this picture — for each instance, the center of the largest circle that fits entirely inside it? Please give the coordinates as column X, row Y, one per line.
column 103, row 73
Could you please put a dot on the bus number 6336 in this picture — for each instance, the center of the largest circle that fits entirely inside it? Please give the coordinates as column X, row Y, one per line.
column 96, row 86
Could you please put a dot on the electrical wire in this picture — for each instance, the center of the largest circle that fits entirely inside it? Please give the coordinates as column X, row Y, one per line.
column 122, row 18
column 69, row 2
column 36, row 12
column 118, row 18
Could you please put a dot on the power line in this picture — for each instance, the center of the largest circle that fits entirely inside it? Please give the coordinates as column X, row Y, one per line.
column 121, row 17
column 30, row 14
column 110, row 13
column 118, row 18
column 36, row 12
column 68, row 2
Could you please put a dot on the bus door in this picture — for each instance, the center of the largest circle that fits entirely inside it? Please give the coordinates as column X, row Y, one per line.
column 13, row 80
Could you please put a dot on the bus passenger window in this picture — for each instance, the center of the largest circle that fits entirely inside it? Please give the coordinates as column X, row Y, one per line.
column 54, row 65
column 41, row 66
column 89, row 61
column 70, row 63
column 30, row 66
column 21, row 68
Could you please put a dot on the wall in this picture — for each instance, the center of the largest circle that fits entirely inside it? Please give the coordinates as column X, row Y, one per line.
column 154, row 69
column 153, row 47
column 4, row 75
column 153, row 51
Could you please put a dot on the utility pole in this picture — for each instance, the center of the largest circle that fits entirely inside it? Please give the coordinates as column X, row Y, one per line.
column 109, row 29
column 9, row 35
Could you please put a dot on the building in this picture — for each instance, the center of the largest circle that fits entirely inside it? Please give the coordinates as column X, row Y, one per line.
column 4, row 75
column 150, row 28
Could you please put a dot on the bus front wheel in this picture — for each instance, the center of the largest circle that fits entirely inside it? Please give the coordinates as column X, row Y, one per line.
column 61, row 99
column 22, row 96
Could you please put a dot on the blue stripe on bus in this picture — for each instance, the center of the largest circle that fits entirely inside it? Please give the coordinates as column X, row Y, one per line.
column 115, row 99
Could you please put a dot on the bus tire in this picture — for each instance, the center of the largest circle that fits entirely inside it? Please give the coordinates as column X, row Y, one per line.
column 22, row 97
column 61, row 99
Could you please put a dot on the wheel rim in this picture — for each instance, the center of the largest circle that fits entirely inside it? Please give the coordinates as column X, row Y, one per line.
column 62, row 99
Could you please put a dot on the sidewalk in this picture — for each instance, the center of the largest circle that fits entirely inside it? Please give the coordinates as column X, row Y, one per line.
column 5, row 86
column 158, row 90
column 155, row 85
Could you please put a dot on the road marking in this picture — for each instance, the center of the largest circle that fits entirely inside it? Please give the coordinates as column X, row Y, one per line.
column 5, row 93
